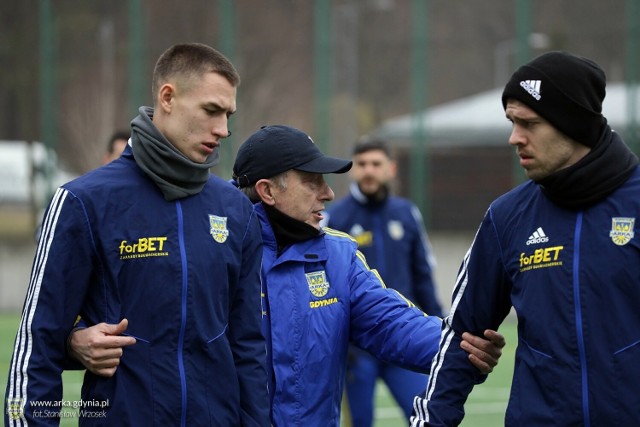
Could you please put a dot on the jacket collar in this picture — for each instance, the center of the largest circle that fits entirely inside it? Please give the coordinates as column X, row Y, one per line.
column 365, row 200
column 309, row 250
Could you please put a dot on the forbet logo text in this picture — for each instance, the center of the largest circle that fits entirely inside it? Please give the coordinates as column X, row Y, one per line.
column 541, row 258
column 143, row 247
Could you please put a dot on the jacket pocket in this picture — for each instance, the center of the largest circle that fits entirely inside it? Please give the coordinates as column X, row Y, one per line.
column 221, row 381
column 621, row 393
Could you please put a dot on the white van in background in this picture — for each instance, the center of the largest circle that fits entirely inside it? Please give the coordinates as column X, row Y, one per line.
column 29, row 173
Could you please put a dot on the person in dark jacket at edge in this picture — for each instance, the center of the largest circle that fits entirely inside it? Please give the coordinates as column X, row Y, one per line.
column 155, row 250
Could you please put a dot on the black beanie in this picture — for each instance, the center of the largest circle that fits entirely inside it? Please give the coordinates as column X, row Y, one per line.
column 564, row 89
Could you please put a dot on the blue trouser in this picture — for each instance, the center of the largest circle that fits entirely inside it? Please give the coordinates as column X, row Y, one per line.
column 362, row 372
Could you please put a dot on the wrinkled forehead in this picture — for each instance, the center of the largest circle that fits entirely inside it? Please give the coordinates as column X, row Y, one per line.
column 515, row 108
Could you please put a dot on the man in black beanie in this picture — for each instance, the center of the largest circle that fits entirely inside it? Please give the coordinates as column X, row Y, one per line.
column 559, row 249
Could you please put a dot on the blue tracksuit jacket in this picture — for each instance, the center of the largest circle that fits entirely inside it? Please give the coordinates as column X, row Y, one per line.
column 320, row 294
column 184, row 273
column 391, row 235
column 573, row 278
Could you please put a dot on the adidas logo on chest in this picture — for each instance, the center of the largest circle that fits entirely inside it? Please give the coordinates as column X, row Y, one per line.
column 537, row 236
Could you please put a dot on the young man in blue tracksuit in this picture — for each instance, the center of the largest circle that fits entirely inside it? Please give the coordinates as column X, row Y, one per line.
column 563, row 249
column 391, row 234
column 153, row 238
column 319, row 292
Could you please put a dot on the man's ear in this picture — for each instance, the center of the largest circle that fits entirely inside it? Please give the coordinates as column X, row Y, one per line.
column 264, row 189
column 393, row 168
column 166, row 95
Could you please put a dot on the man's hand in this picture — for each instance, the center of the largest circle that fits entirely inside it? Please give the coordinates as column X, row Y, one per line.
column 100, row 347
column 483, row 353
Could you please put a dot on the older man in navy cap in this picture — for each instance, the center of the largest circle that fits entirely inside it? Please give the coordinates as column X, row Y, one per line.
column 318, row 288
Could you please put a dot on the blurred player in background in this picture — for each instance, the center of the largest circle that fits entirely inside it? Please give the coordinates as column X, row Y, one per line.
column 391, row 234
column 116, row 145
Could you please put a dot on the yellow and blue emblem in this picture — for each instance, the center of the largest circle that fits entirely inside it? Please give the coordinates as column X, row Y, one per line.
column 622, row 230
column 218, row 228
column 318, row 284
column 15, row 408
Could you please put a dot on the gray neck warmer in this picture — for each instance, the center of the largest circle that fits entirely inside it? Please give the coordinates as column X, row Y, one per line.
column 172, row 171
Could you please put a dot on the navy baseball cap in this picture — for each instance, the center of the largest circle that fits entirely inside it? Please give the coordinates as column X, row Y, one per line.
column 276, row 149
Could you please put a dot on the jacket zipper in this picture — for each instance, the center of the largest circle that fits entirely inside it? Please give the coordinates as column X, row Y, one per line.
column 183, row 317
column 579, row 332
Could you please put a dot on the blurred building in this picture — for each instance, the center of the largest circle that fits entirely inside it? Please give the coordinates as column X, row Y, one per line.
column 74, row 71
column 469, row 161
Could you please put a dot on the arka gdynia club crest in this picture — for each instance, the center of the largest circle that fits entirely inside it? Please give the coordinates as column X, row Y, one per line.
column 622, row 230
column 218, row 228
column 318, row 284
